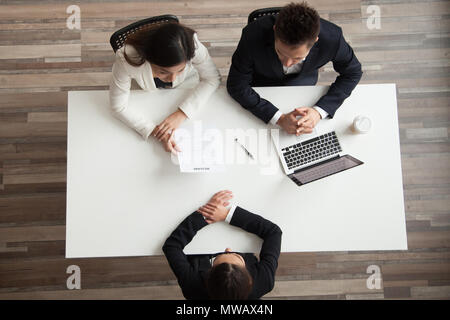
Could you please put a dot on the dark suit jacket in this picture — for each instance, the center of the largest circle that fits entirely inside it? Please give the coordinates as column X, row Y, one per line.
column 192, row 270
column 255, row 63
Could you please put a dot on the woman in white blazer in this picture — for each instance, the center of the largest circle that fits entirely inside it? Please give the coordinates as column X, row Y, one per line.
column 163, row 56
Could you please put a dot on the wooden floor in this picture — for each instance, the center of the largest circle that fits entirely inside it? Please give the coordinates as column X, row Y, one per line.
column 41, row 59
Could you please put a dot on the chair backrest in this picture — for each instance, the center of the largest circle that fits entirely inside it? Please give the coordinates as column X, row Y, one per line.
column 255, row 15
column 119, row 37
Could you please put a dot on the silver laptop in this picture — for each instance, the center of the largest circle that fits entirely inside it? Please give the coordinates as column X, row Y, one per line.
column 311, row 157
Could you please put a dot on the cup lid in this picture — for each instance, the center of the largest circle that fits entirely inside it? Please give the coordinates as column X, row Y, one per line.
column 363, row 124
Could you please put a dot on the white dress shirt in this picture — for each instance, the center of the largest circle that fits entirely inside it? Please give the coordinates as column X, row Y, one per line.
column 296, row 68
column 230, row 214
column 123, row 72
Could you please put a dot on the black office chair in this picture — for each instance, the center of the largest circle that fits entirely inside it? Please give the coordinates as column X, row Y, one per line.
column 119, row 37
column 255, row 15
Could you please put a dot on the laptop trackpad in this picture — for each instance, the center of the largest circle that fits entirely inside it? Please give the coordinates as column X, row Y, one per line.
column 287, row 139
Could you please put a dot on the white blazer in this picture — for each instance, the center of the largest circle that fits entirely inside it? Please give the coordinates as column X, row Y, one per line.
column 123, row 72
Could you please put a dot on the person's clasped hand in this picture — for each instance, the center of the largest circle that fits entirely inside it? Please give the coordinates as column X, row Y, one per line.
column 169, row 143
column 169, row 124
column 216, row 208
column 309, row 117
column 164, row 131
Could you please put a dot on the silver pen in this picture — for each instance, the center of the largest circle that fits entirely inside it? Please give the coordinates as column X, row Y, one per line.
column 246, row 151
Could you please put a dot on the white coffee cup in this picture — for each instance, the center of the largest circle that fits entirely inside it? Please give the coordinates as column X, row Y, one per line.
column 361, row 124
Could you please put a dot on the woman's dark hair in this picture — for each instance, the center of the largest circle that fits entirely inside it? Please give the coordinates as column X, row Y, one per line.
column 228, row 281
column 297, row 24
column 164, row 45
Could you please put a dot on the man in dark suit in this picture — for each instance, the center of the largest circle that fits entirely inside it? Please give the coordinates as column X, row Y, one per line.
column 288, row 50
column 227, row 275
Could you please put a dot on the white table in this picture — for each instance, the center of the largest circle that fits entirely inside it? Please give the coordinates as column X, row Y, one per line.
column 125, row 196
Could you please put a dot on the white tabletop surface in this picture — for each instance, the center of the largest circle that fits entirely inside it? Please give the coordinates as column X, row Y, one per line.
column 125, row 195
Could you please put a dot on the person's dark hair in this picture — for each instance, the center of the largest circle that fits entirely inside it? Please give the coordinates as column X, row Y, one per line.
column 228, row 281
column 165, row 45
column 297, row 24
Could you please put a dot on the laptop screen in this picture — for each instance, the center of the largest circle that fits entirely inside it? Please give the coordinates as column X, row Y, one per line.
column 324, row 169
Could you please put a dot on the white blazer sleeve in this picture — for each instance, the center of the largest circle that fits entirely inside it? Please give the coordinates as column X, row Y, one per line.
column 209, row 80
column 119, row 92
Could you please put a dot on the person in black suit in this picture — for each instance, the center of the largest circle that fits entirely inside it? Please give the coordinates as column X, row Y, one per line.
column 226, row 275
column 288, row 50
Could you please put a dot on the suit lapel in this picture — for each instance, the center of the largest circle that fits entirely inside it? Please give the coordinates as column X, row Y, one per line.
column 272, row 57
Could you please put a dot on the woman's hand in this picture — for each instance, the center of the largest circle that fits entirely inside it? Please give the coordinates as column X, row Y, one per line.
column 169, row 125
column 169, row 143
column 215, row 210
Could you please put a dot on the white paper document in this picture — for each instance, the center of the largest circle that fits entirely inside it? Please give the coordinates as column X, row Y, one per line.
column 200, row 153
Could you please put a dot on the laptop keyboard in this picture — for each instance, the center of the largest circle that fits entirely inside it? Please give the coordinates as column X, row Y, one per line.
column 311, row 150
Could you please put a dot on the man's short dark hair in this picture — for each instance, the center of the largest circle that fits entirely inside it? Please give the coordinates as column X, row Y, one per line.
column 297, row 24
column 228, row 281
